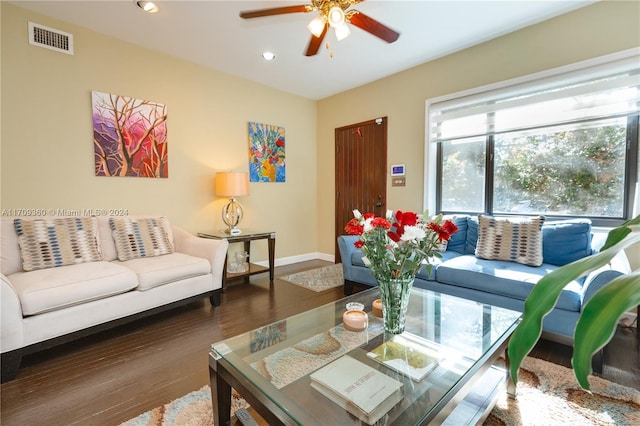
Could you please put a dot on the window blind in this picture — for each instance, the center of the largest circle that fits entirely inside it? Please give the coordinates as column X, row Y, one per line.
column 607, row 90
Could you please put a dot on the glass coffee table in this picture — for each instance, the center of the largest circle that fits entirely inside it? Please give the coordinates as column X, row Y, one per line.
column 448, row 363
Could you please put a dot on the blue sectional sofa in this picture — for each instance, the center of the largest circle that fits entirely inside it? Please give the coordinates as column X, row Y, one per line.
column 505, row 283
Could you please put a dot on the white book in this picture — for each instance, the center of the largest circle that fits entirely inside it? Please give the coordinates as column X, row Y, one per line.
column 358, row 388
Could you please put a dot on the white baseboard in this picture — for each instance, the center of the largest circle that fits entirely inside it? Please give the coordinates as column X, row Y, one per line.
column 299, row 258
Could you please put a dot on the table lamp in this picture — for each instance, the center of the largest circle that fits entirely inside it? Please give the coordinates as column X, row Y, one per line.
column 232, row 184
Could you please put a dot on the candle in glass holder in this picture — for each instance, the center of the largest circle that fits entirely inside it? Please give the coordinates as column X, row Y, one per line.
column 355, row 320
column 376, row 308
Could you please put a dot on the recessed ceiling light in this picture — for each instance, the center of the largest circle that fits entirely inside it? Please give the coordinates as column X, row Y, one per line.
column 147, row 6
column 269, row 56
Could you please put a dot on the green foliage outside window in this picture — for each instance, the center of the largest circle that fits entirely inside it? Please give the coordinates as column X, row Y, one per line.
column 576, row 171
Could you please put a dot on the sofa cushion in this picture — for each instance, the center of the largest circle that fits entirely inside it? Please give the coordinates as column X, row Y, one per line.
column 60, row 241
column 565, row 241
column 472, row 236
column 156, row 271
column 50, row 289
column 458, row 240
column 140, row 237
column 505, row 278
column 513, row 239
column 435, row 263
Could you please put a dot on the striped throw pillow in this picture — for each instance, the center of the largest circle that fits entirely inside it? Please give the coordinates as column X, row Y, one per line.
column 52, row 242
column 140, row 237
column 512, row 239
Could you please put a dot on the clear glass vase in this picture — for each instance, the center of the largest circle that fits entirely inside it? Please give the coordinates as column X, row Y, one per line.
column 394, row 294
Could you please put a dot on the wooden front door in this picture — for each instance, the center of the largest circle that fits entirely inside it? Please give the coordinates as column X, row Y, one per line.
column 361, row 172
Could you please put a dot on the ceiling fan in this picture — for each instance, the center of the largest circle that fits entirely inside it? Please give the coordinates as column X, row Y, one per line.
column 332, row 13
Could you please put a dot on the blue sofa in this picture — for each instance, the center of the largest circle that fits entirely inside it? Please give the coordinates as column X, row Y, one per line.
column 504, row 283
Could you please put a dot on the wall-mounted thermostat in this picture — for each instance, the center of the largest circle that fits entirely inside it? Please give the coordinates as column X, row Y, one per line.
column 397, row 170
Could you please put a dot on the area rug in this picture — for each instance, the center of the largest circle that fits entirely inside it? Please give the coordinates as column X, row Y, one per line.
column 318, row 279
column 548, row 394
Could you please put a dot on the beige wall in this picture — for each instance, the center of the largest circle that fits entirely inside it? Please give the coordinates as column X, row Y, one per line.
column 589, row 32
column 47, row 149
column 47, row 153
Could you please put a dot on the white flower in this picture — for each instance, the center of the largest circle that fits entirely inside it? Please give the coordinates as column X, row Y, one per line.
column 366, row 261
column 413, row 233
column 357, row 214
column 367, row 225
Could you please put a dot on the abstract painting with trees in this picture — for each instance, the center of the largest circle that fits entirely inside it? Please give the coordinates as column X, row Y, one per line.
column 129, row 136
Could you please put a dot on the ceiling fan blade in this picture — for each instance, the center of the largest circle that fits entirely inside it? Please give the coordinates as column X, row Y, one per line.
column 275, row 11
column 374, row 27
column 315, row 42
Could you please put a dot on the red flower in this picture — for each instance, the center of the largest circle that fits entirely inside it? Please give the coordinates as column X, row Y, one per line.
column 394, row 236
column 402, row 219
column 359, row 244
column 450, row 227
column 406, row 218
column 379, row 222
column 353, row 227
column 443, row 235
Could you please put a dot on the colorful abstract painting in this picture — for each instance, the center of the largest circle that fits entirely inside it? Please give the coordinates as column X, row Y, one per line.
column 129, row 136
column 266, row 153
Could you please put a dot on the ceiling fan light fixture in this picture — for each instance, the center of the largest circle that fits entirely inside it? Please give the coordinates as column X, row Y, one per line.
column 342, row 31
column 147, row 6
column 316, row 26
column 335, row 16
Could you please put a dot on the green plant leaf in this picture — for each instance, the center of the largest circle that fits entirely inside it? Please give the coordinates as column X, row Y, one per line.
column 599, row 320
column 617, row 234
column 544, row 296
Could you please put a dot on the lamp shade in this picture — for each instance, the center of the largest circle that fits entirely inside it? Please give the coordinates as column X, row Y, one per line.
column 316, row 26
column 232, row 184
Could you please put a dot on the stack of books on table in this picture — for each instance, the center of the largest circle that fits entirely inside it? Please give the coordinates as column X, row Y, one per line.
column 358, row 388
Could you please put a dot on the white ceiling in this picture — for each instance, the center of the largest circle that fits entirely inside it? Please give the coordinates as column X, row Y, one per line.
column 211, row 33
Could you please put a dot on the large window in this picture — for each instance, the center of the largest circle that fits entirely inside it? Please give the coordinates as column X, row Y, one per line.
column 565, row 145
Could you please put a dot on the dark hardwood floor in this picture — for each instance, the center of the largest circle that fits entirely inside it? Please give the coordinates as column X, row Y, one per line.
column 113, row 376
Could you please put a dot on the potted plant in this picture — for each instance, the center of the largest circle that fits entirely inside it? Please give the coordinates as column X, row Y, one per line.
column 600, row 315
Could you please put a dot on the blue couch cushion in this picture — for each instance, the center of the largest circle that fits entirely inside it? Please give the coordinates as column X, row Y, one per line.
column 459, row 239
column 435, row 263
column 565, row 241
column 472, row 236
column 504, row 278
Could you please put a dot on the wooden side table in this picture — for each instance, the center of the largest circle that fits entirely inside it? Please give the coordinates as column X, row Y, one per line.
column 246, row 237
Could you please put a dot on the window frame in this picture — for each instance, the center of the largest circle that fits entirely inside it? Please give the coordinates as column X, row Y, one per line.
column 630, row 177
column 434, row 156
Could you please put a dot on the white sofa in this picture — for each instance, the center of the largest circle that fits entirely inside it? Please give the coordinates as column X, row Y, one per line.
column 47, row 306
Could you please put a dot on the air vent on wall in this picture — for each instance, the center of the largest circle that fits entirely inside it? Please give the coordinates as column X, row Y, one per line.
column 50, row 38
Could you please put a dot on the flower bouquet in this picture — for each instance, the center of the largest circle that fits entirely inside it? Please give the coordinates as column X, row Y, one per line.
column 395, row 248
